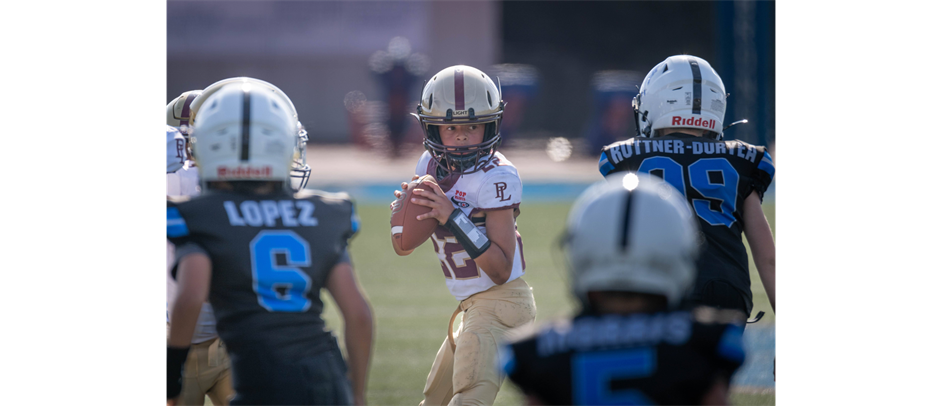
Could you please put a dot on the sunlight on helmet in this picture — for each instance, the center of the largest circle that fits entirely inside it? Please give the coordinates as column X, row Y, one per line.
column 559, row 149
column 246, row 87
column 630, row 181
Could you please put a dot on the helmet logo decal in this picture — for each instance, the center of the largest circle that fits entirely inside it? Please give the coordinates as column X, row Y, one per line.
column 246, row 123
column 459, row 90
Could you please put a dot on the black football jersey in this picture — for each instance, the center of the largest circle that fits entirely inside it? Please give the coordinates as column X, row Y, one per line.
column 715, row 177
column 271, row 255
column 641, row 359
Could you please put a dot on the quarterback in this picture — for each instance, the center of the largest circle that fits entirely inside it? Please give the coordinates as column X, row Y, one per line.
column 460, row 113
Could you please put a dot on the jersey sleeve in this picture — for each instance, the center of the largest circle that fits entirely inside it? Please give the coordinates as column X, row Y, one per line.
column 178, row 233
column 763, row 174
column 176, row 145
column 605, row 164
column 422, row 166
column 502, row 190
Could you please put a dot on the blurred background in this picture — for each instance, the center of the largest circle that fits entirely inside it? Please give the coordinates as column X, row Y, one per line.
column 568, row 71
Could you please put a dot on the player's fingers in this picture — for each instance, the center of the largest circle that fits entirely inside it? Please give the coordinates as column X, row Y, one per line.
column 431, row 214
column 433, row 189
column 404, row 185
column 423, row 202
column 428, row 194
column 414, row 177
column 397, row 193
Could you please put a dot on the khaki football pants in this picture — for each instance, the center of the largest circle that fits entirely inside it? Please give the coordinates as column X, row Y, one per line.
column 470, row 375
column 206, row 373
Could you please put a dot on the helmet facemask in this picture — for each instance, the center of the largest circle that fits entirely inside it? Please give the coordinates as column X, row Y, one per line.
column 300, row 170
column 461, row 159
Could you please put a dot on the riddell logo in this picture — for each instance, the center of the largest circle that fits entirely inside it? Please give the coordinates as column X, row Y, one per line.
column 243, row 172
column 694, row 122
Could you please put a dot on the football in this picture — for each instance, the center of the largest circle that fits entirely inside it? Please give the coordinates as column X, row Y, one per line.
column 408, row 232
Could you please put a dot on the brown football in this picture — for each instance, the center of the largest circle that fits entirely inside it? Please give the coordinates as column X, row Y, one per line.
column 408, row 232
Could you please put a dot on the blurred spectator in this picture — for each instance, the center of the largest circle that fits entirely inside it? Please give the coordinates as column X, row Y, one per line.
column 612, row 115
column 398, row 71
column 519, row 84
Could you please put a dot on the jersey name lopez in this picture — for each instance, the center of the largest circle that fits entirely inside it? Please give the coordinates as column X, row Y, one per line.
column 271, row 213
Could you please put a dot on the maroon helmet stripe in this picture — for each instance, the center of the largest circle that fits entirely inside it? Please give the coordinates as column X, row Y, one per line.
column 185, row 114
column 459, row 89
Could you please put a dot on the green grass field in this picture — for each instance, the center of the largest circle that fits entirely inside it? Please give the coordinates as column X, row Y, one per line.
column 411, row 305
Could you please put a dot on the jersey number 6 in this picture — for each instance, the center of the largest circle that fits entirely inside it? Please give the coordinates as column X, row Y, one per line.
column 280, row 288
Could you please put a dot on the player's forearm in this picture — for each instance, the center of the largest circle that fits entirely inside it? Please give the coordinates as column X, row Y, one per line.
column 183, row 316
column 766, row 269
column 358, row 337
column 496, row 264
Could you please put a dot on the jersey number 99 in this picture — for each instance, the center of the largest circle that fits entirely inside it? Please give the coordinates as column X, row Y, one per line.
column 698, row 174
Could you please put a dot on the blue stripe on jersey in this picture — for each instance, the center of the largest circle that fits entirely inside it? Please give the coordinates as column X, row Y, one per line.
column 354, row 219
column 767, row 165
column 604, row 166
column 508, row 362
column 176, row 226
column 730, row 346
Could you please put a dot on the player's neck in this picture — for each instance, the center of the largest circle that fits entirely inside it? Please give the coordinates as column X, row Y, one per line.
column 689, row 131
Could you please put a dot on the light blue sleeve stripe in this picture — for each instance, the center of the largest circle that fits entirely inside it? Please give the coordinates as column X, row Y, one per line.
column 731, row 345
column 354, row 219
column 605, row 167
column 766, row 165
column 176, row 226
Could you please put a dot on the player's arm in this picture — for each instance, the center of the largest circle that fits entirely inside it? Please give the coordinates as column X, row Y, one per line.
column 494, row 254
column 498, row 260
column 759, row 235
column 358, row 325
column 718, row 394
column 193, row 277
column 392, row 239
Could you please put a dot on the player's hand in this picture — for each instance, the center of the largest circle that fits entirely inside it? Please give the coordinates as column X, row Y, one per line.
column 398, row 193
column 433, row 197
column 172, row 402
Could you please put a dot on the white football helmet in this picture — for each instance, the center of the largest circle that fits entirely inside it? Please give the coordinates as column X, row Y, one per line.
column 683, row 91
column 244, row 132
column 178, row 111
column 632, row 233
column 460, row 95
column 176, row 149
column 300, row 171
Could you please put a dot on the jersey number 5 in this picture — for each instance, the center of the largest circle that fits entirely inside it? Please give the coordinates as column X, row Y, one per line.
column 281, row 288
column 713, row 178
column 597, row 377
